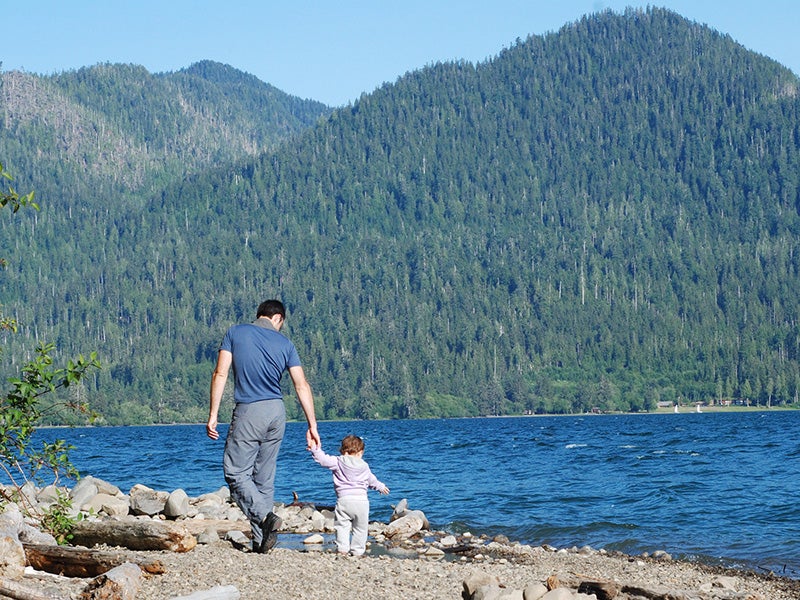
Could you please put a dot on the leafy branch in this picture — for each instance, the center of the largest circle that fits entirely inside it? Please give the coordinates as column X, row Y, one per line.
column 22, row 409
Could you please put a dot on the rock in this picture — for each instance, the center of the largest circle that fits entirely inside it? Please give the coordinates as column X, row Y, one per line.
column 489, row 591
column 432, row 552
column 220, row 592
column 400, row 510
column 209, row 535
column 110, row 505
column 318, row 521
column 500, row 539
column 511, row 595
column 234, row 513
column 476, row 580
column 27, row 494
column 104, row 487
column 448, row 540
column 314, row 539
column 28, row 534
column 558, row 594
column 116, row 506
column 177, row 505
column 146, row 501
column 224, row 493
column 210, row 505
column 238, row 539
column 726, row 583
column 404, row 527
column 48, row 495
column 82, row 492
column 534, row 591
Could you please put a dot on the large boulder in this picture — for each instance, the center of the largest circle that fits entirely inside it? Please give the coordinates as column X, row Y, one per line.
column 177, row 505
column 146, row 501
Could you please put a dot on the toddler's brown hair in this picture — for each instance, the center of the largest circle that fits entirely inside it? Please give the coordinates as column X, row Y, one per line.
column 352, row 444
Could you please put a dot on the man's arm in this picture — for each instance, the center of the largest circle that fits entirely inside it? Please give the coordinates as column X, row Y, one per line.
column 218, row 379
column 306, row 398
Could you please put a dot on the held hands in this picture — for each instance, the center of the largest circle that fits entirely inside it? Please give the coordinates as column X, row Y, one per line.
column 312, row 438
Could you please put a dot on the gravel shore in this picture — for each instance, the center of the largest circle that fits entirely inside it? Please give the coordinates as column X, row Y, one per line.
column 292, row 574
column 296, row 574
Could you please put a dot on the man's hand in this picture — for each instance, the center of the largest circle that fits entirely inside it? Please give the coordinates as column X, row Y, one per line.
column 211, row 429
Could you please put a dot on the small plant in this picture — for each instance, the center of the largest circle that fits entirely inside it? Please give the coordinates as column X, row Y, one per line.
column 58, row 520
column 21, row 411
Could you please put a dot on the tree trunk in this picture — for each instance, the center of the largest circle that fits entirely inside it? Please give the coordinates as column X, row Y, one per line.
column 80, row 562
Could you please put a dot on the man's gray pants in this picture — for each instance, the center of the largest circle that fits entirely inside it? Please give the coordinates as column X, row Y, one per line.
column 251, row 456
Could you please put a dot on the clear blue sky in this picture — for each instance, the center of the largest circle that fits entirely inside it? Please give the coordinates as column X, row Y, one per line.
column 333, row 50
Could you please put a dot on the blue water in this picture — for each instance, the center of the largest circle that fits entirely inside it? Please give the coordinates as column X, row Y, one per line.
column 714, row 487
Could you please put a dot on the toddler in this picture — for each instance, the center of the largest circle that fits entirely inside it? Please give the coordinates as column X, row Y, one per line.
column 351, row 478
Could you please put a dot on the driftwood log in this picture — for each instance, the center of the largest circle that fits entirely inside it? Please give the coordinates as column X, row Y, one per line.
column 135, row 535
column 82, row 562
column 20, row 591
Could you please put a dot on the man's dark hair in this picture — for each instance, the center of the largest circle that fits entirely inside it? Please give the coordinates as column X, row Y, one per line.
column 269, row 308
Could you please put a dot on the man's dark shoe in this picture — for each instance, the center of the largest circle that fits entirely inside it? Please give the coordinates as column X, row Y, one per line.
column 269, row 532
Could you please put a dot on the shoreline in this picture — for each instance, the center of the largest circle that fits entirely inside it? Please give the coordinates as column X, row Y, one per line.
column 683, row 410
column 311, row 574
column 406, row 558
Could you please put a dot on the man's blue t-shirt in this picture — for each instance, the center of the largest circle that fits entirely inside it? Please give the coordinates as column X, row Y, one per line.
column 260, row 356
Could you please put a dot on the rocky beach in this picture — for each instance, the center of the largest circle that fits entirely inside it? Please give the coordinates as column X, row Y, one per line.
column 201, row 552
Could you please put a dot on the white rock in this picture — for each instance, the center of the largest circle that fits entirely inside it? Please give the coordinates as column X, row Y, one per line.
column 726, row 583
column 433, row 552
column 314, row 539
column 208, row 536
column 534, row 591
column 104, row 486
column 177, row 504
column 111, row 505
column 220, row 592
column 558, row 594
column 490, row 591
column 404, row 527
column 318, row 521
column 83, row 491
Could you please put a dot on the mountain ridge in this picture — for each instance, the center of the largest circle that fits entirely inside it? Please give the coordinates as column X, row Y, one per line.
column 600, row 218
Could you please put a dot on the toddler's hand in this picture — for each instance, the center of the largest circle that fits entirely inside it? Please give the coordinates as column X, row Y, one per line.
column 385, row 490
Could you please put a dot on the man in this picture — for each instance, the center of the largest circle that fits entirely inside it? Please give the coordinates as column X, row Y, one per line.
column 259, row 355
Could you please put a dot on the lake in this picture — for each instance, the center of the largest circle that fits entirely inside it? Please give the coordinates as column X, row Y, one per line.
column 720, row 488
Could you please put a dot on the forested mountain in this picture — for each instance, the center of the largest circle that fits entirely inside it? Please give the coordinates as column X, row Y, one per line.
column 110, row 131
column 605, row 216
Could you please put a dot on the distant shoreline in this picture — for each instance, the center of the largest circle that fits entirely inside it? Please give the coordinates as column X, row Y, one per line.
column 682, row 409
